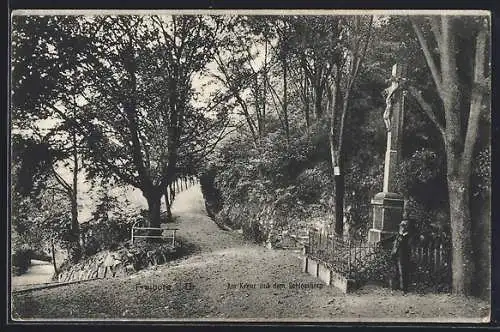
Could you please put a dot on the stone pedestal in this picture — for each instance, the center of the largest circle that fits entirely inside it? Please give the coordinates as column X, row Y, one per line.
column 387, row 214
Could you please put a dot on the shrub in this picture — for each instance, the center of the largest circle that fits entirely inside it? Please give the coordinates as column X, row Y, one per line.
column 273, row 186
column 144, row 253
column 379, row 269
column 106, row 233
column 212, row 196
column 21, row 260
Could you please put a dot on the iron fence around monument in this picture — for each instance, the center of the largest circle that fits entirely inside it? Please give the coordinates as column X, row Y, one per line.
column 344, row 256
column 363, row 261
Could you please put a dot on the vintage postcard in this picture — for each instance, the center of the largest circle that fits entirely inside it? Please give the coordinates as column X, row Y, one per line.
column 250, row 165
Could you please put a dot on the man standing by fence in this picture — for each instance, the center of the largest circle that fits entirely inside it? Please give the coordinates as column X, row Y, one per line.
column 401, row 258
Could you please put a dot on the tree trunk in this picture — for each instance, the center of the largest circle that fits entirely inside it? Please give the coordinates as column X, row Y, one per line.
column 339, row 179
column 171, row 189
column 264, row 99
column 338, row 190
column 462, row 251
column 306, row 102
column 318, row 101
column 75, row 245
column 168, row 206
column 53, row 249
column 481, row 242
column 75, row 249
column 285, row 99
column 74, row 217
column 458, row 169
column 154, row 206
column 333, row 94
column 339, row 204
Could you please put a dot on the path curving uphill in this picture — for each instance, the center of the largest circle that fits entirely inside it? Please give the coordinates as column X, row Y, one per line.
column 228, row 278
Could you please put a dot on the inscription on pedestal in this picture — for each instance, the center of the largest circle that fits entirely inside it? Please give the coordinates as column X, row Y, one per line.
column 378, row 217
column 387, row 212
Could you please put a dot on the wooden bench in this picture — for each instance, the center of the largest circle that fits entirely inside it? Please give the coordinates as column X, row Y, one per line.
column 136, row 228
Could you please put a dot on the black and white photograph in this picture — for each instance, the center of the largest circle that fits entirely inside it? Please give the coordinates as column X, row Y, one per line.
column 250, row 166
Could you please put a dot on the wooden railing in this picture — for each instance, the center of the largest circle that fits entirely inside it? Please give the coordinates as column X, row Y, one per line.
column 432, row 256
column 155, row 230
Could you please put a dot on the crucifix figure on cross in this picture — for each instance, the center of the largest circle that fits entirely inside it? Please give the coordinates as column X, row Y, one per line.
column 389, row 100
column 388, row 108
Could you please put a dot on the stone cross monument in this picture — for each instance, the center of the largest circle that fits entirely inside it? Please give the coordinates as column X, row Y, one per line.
column 388, row 205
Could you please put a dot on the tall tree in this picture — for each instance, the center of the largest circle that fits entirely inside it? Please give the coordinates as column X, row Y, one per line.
column 146, row 66
column 463, row 86
column 42, row 60
column 316, row 41
column 130, row 81
column 40, row 207
column 248, row 67
column 330, row 51
column 236, row 73
column 357, row 33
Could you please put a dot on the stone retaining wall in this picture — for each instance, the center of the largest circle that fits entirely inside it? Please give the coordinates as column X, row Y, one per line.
column 321, row 271
column 125, row 261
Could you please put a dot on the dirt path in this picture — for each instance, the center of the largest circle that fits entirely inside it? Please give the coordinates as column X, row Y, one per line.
column 196, row 227
column 38, row 273
column 230, row 279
